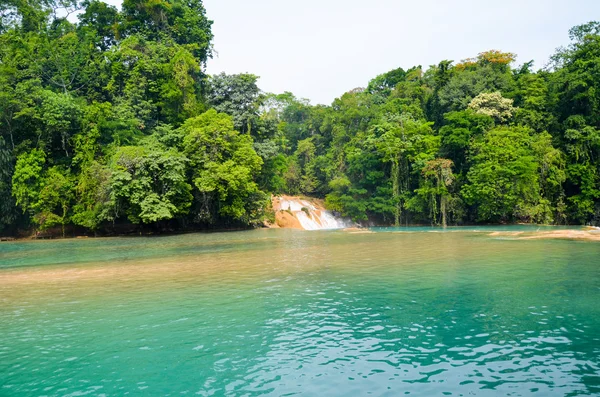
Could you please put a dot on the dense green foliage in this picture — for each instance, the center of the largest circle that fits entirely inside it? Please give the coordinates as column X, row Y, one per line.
column 111, row 120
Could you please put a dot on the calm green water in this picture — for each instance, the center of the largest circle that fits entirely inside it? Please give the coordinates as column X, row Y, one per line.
column 280, row 312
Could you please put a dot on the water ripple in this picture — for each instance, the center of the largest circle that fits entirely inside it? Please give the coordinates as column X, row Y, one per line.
column 284, row 313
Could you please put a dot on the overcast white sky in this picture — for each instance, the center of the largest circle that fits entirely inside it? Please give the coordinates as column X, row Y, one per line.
column 319, row 49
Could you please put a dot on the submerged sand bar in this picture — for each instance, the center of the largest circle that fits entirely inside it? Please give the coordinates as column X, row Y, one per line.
column 588, row 234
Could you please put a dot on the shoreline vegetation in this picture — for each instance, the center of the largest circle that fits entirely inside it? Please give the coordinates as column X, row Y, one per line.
column 110, row 125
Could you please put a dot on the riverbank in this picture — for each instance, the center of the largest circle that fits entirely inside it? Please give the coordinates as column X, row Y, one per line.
column 57, row 235
column 306, row 213
column 588, row 233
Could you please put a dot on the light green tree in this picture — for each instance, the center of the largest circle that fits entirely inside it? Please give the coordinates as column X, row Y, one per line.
column 494, row 105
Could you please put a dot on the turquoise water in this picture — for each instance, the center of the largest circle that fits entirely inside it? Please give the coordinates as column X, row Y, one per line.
column 281, row 312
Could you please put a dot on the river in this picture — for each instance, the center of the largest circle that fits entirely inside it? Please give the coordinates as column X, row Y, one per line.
column 419, row 312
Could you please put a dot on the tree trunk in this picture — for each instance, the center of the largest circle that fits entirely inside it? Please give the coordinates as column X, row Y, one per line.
column 405, row 186
column 443, row 210
column 64, row 217
column 10, row 132
column 64, row 143
column 396, row 192
column 442, row 202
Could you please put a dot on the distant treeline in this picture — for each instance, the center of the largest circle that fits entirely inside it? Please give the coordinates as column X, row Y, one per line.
column 112, row 121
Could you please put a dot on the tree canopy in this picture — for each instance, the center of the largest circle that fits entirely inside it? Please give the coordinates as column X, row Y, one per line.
column 107, row 118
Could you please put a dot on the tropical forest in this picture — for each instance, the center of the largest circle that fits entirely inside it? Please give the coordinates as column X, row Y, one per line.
column 108, row 122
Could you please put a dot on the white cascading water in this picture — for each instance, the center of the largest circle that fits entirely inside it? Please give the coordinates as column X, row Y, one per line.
column 310, row 217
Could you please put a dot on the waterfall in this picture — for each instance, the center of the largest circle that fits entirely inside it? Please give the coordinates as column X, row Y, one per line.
column 309, row 215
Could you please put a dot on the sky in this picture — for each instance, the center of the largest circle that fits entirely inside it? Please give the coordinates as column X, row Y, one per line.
column 319, row 49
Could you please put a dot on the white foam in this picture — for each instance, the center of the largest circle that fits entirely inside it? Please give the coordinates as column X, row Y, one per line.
column 310, row 217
